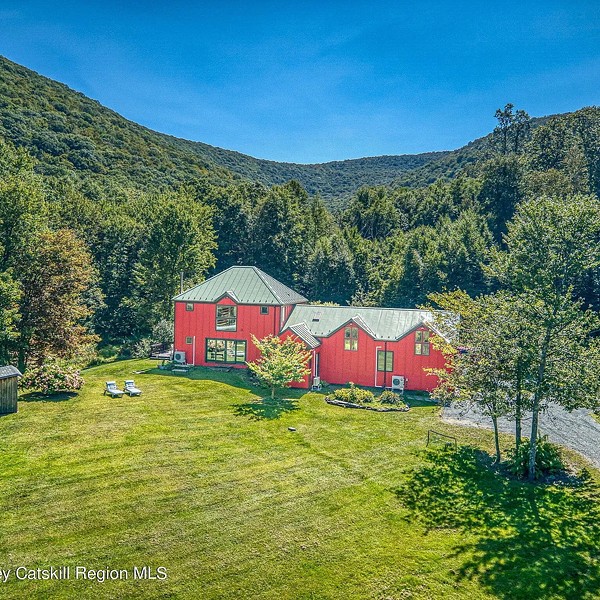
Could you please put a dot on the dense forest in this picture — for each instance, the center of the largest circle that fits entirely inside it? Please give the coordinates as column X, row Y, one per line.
column 99, row 217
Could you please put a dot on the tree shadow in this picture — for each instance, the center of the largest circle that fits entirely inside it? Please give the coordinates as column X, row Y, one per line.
column 238, row 378
column 525, row 541
column 39, row 397
column 266, row 408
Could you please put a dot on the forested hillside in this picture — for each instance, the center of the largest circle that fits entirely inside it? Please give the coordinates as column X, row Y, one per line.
column 70, row 133
column 99, row 219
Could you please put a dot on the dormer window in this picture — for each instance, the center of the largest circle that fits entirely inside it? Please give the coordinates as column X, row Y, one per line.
column 422, row 343
column 226, row 318
column 351, row 338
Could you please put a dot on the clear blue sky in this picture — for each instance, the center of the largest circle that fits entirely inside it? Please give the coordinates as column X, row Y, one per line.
column 315, row 81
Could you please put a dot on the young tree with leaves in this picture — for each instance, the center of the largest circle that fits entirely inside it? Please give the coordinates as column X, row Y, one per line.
column 280, row 362
column 550, row 243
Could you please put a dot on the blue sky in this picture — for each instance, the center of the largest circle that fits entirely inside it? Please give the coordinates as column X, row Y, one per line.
column 315, row 81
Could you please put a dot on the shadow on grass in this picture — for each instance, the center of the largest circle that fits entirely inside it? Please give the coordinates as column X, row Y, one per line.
column 39, row 397
column 266, row 408
column 238, row 378
column 525, row 541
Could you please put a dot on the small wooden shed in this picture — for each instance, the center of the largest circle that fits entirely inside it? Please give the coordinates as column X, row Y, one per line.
column 8, row 389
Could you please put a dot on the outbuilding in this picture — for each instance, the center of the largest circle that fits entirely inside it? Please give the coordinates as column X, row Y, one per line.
column 8, row 389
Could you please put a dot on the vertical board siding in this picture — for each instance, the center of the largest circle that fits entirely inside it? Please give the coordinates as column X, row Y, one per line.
column 201, row 322
column 337, row 365
column 341, row 366
column 8, row 395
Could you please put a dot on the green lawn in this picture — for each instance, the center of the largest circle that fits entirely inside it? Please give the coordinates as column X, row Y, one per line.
column 201, row 477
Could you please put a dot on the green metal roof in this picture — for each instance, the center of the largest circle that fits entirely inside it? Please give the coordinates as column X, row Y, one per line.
column 303, row 332
column 245, row 285
column 385, row 324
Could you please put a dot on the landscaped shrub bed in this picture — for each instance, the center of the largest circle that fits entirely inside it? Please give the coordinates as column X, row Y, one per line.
column 355, row 397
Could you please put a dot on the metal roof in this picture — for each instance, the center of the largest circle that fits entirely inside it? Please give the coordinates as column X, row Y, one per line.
column 302, row 331
column 7, row 372
column 385, row 324
column 245, row 285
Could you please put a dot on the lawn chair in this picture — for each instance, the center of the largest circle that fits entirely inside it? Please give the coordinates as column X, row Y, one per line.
column 112, row 390
column 131, row 389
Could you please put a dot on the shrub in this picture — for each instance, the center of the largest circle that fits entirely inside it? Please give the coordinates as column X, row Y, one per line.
column 389, row 397
column 141, row 349
column 548, row 460
column 354, row 395
column 51, row 378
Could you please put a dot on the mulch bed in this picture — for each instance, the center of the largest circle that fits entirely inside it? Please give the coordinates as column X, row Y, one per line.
column 365, row 407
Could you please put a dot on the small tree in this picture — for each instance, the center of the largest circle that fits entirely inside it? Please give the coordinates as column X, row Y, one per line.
column 281, row 361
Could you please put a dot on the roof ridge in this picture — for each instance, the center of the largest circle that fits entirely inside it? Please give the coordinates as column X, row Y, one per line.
column 270, row 288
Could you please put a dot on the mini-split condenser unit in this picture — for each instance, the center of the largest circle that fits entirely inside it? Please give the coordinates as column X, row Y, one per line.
column 179, row 357
column 398, row 383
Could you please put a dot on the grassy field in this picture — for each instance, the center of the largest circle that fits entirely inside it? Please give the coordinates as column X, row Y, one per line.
column 200, row 476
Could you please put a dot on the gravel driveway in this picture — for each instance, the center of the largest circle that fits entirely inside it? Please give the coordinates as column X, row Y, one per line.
column 577, row 430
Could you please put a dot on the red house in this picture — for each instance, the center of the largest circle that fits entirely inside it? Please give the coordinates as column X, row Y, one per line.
column 368, row 346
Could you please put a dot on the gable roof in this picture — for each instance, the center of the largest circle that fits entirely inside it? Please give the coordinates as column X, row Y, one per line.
column 246, row 285
column 7, row 372
column 385, row 324
column 303, row 332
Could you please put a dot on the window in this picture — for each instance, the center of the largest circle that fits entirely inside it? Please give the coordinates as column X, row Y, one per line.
column 226, row 351
column 385, row 361
column 226, row 318
column 264, row 310
column 422, row 343
column 189, row 340
column 189, row 307
column 351, row 338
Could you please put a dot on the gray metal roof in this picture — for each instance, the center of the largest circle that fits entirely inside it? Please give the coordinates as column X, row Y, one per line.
column 302, row 331
column 246, row 285
column 385, row 324
column 7, row 372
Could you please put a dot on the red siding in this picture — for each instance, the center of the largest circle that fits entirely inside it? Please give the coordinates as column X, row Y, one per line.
column 337, row 365
column 342, row 366
column 201, row 323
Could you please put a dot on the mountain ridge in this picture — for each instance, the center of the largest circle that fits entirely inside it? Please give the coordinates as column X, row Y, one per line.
column 68, row 131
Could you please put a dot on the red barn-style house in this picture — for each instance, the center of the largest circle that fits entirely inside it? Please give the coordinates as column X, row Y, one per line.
column 369, row 346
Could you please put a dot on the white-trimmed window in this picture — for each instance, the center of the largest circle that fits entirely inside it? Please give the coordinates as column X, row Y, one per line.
column 189, row 306
column 264, row 310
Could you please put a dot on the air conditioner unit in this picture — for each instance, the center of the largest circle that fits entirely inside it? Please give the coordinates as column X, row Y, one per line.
column 179, row 357
column 316, row 383
column 398, row 383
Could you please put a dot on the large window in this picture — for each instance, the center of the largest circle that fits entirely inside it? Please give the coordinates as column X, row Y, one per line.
column 225, row 351
column 226, row 318
column 351, row 338
column 422, row 343
column 385, row 361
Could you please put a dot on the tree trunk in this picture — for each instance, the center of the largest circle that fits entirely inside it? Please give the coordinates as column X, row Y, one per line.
column 272, row 392
column 536, row 405
column 496, row 438
column 518, row 411
column 533, row 439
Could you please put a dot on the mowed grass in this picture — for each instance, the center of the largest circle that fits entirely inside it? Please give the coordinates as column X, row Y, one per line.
column 201, row 476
